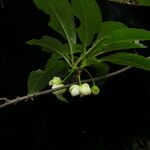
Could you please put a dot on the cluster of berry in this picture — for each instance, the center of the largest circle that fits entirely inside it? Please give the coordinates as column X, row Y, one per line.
column 75, row 90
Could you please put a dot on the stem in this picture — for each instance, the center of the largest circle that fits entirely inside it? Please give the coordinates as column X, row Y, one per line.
column 110, row 75
column 32, row 96
column 68, row 76
column 89, row 75
column 71, row 53
column 79, row 59
column 65, row 59
column 84, row 49
column 83, row 57
column 87, row 52
column 79, row 78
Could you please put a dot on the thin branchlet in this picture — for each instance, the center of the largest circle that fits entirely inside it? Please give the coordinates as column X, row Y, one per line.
column 7, row 102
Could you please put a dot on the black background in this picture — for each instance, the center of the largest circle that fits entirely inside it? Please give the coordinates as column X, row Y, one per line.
column 121, row 110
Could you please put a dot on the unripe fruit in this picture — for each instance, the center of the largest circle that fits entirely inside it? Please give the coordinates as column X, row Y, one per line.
column 95, row 90
column 55, row 80
column 59, row 92
column 74, row 90
column 85, row 89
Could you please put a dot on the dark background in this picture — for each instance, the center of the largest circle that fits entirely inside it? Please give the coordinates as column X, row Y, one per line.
column 120, row 112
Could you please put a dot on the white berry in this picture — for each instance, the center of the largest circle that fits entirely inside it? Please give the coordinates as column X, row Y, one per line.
column 74, row 90
column 59, row 92
column 85, row 89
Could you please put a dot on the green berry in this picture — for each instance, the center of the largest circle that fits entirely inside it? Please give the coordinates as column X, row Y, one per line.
column 95, row 90
column 55, row 80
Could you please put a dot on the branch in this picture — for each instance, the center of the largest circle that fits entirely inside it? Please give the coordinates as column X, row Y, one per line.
column 109, row 75
column 8, row 102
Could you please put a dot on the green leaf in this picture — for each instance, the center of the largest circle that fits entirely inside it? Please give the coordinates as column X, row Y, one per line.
column 121, row 37
column 49, row 44
column 115, row 46
column 127, row 35
column 107, row 27
column 39, row 79
column 61, row 18
column 61, row 98
column 88, row 12
column 33, row 79
column 144, row 2
column 128, row 59
column 77, row 48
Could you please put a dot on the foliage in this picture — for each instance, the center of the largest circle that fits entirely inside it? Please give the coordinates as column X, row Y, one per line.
column 89, row 43
column 144, row 2
column 133, row 2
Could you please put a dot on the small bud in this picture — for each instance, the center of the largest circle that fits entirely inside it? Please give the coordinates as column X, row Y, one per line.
column 59, row 92
column 74, row 90
column 136, row 41
column 95, row 90
column 55, row 80
column 85, row 89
